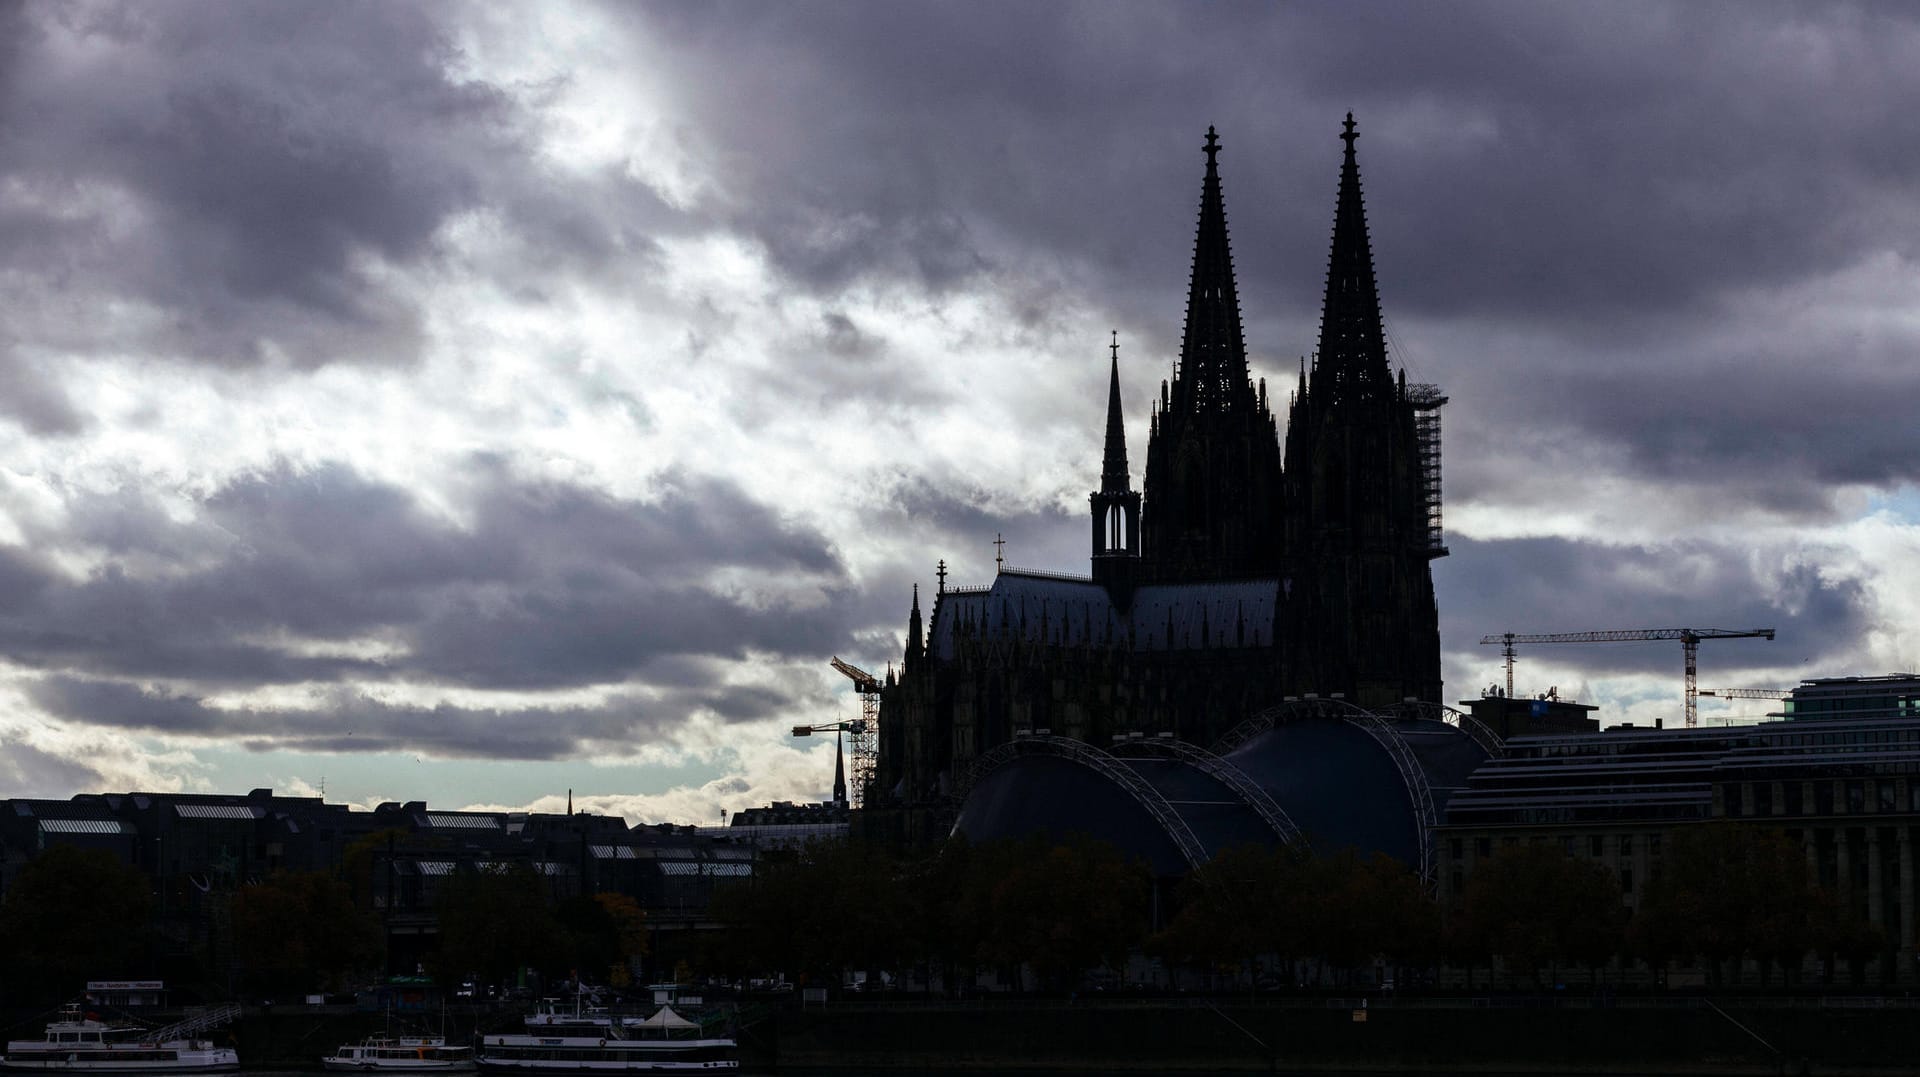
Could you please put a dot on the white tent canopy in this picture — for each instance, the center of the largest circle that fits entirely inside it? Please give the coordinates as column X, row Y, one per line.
column 667, row 1018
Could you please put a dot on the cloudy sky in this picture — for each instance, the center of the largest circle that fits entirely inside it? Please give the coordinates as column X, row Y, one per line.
column 471, row 402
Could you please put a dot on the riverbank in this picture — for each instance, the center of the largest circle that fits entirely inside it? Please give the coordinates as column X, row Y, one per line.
column 1669, row 1036
column 1645, row 1036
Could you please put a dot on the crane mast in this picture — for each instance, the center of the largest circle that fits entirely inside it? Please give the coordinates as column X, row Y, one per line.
column 865, row 734
column 1689, row 643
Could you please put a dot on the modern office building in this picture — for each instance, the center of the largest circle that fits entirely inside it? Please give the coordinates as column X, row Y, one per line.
column 1847, row 789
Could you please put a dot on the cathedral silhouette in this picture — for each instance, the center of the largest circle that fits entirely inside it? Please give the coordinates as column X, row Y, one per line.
column 1237, row 577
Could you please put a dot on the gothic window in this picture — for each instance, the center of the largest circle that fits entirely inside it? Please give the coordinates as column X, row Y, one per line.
column 1116, row 529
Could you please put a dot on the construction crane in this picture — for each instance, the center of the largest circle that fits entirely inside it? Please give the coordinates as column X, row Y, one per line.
column 1778, row 695
column 1689, row 642
column 866, row 739
column 852, row 727
column 1747, row 693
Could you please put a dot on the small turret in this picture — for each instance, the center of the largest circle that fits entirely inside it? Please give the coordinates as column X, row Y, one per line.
column 916, row 644
column 1115, row 506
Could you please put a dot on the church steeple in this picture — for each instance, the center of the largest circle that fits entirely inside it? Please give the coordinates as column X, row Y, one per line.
column 1213, row 357
column 1116, row 507
column 1362, row 457
column 1352, row 361
column 1113, row 463
column 839, row 773
column 1212, row 485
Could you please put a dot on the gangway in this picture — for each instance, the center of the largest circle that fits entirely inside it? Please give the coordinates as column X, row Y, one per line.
column 188, row 1027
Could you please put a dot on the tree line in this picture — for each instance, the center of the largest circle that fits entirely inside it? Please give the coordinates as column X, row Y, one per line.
column 1727, row 893
column 73, row 915
column 1036, row 912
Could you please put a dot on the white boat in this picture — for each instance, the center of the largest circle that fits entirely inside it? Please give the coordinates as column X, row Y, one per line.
column 596, row 1042
column 401, row 1054
column 81, row 1043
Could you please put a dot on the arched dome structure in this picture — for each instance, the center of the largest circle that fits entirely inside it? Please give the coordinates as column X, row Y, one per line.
column 1323, row 771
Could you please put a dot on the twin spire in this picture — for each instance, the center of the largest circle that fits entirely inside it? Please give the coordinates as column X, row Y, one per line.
column 1213, row 357
column 1352, row 360
column 1213, row 375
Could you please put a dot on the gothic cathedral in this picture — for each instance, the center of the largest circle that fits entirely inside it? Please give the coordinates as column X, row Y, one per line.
column 1234, row 579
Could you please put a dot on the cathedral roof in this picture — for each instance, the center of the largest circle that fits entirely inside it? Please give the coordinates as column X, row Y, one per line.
column 1074, row 612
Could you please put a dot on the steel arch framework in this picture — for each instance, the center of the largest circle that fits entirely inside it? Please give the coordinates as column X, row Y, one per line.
column 1106, row 766
column 1415, row 779
column 1412, row 776
column 1487, row 739
column 1292, row 710
column 1225, row 773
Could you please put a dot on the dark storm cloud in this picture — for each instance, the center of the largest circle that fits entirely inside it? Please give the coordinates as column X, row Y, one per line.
column 965, row 521
column 546, row 586
column 1550, row 585
column 347, row 721
column 26, row 771
column 31, row 398
column 239, row 173
column 1606, row 183
column 1543, row 160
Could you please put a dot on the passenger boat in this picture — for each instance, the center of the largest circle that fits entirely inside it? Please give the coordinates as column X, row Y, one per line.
column 596, row 1042
column 401, row 1054
column 81, row 1043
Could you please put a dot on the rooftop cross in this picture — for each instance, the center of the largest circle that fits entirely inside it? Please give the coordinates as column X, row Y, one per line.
column 1213, row 144
column 1349, row 135
column 999, row 552
column 942, row 573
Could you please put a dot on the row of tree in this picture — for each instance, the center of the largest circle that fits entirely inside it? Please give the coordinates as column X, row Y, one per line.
column 833, row 909
column 1726, row 893
column 74, row 915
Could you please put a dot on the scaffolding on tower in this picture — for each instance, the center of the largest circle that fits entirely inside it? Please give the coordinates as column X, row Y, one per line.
column 1426, row 401
column 864, row 734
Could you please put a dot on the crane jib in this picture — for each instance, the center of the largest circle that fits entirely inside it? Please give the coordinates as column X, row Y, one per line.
column 1689, row 641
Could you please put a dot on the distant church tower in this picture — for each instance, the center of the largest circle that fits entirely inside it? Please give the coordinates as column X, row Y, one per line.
column 1213, row 486
column 1363, row 480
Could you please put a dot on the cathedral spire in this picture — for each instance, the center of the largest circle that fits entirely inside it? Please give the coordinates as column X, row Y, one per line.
column 1113, row 465
column 915, row 647
column 1352, row 361
column 1213, row 359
